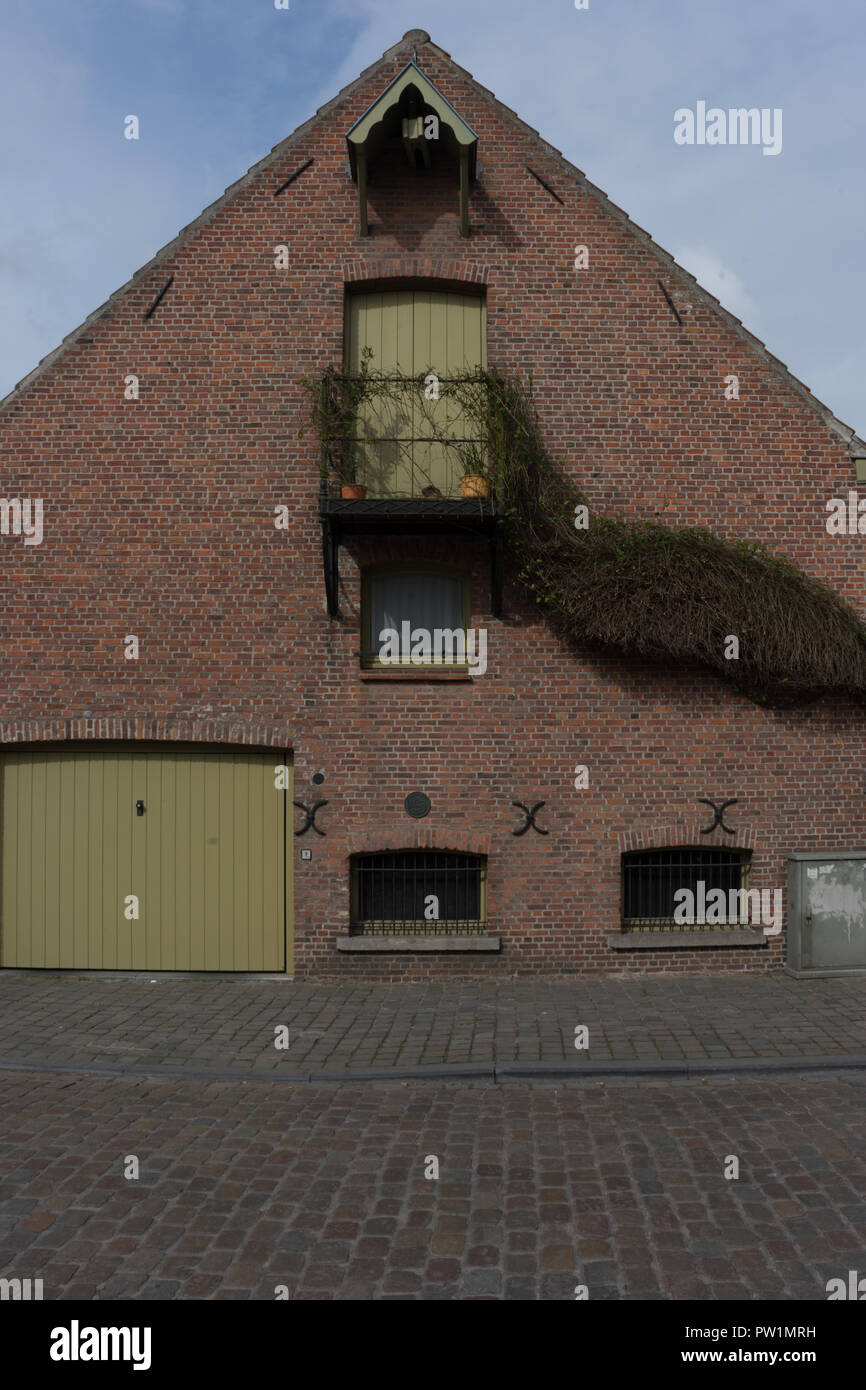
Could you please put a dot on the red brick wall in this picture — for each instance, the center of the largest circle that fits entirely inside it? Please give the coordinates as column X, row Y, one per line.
column 159, row 522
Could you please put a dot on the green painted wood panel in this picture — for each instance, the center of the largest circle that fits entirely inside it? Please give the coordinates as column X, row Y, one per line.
column 210, row 860
column 412, row 332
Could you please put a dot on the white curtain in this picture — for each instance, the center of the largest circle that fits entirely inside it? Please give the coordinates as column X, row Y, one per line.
column 425, row 600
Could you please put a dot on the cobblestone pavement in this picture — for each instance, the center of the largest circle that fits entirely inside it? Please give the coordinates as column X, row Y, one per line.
column 541, row 1187
column 212, row 1025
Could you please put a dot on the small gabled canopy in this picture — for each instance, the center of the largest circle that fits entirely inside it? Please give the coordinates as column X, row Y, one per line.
column 400, row 113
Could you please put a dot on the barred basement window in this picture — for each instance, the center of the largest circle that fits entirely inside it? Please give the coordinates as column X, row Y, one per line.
column 652, row 878
column 400, row 892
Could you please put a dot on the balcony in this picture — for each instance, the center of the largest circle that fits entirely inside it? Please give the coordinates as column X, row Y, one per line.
column 399, row 459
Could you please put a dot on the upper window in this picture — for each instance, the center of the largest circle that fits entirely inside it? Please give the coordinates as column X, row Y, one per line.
column 415, row 618
column 685, row 889
column 412, row 333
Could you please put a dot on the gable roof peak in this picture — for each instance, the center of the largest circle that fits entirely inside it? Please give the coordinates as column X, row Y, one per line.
column 856, row 446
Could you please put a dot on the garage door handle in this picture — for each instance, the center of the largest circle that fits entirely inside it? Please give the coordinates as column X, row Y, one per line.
column 139, row 808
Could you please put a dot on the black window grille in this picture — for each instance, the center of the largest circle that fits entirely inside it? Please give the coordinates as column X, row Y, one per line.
column 651, row 878
column 399, row 892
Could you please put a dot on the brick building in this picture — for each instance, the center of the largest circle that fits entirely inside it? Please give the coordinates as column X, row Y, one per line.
column 200, row 609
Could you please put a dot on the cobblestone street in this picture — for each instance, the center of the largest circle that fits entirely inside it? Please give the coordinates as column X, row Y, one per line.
column 225, row 1026
column 618, row 1186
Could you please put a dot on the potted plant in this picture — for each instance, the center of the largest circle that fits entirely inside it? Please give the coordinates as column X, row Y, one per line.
column 353, row 490
column 474, row 485
column 349, row 485
column 474, row 482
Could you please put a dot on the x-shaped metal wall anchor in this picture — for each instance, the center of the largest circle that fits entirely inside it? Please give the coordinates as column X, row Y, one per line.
column 719, row 812
column 310, row 822
column 530, row 818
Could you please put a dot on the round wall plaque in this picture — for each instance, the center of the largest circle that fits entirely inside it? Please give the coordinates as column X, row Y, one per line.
column 417, row 804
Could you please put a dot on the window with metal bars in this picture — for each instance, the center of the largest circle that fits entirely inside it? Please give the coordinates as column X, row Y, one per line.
column 399, row 892
column 651, row 878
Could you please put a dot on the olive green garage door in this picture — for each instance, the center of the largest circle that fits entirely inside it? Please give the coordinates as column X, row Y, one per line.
column 193, row 840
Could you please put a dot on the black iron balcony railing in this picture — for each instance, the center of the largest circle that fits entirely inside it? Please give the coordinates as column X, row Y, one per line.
column 398, row 467
column 402, row 442
column 406, row 455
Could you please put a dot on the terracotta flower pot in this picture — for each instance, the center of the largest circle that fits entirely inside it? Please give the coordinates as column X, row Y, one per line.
column 349, row 490
column 474, row 485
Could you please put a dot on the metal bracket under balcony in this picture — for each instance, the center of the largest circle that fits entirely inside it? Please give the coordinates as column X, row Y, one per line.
column 410, row 515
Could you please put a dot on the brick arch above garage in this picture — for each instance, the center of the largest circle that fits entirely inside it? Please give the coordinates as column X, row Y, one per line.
column 211, row 731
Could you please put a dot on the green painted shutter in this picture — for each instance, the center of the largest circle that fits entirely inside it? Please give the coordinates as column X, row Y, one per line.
column 411, row 333
column 209, row 859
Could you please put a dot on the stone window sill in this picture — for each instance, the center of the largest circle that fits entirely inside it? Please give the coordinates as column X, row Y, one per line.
column 683, row 941
column 365, row 945
column 414, row 673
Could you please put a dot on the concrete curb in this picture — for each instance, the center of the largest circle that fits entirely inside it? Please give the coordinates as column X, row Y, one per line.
column 458, row 1071
column 170, row 1073
column 711, row 1066
column 470, row 1071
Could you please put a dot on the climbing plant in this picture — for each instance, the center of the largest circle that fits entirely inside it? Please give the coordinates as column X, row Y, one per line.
column 638, row 587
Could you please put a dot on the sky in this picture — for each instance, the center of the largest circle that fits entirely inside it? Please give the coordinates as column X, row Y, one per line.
column 217, row 83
